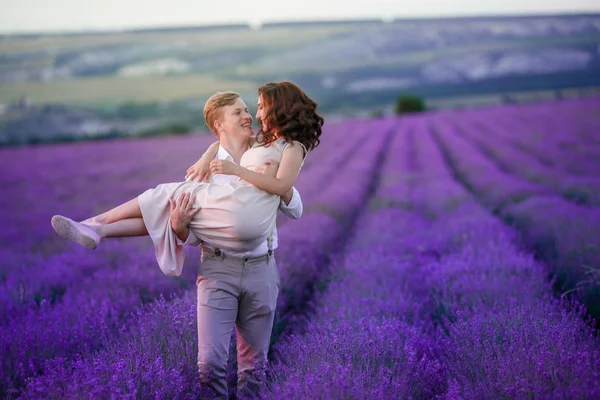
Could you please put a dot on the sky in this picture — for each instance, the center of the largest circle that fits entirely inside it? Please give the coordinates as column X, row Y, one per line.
column 76, row 15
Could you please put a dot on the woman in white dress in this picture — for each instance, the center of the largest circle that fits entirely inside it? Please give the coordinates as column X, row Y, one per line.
column 235, row 216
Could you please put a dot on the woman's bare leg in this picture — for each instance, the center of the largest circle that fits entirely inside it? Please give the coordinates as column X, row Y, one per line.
column 128, row 210
column 123, row 228
column 122, row 221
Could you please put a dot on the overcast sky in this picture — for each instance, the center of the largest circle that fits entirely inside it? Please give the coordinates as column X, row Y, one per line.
column 69, row 15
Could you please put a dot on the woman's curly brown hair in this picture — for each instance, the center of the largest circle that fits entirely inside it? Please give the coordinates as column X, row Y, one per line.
column 291, row 114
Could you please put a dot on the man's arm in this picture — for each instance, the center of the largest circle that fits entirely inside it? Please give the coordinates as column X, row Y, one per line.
column 291, row 204
column 181, row 214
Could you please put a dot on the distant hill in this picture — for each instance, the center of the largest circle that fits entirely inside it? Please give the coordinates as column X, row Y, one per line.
column 349, row 67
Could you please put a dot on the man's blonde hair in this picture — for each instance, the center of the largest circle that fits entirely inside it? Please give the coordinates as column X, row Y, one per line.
column 214, row 104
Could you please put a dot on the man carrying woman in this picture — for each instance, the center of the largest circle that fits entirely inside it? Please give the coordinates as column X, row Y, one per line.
column 233, row 217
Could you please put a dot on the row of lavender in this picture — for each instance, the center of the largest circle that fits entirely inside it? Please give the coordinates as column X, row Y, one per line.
column 60, row 300
column 434, row 300
column 568, row 127
column 156, row 342
column 493, row 141
column 556, row 210
column 301, row 270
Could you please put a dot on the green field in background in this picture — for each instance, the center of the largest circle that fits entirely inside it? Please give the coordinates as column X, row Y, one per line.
column 209, row 39
column 410, row 59
column 259, row 55
column 122, row 89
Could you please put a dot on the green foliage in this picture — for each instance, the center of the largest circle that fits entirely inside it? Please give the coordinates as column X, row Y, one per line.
column 178, row 128
column 409, row 104
column 173, row 128
column 377, row 114
column 133, row 110
column 508, row 99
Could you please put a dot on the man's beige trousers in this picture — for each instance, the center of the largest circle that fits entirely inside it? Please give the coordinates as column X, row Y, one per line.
column 241, row 292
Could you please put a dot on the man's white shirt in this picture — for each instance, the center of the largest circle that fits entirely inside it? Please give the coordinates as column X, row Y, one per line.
column 293, row 210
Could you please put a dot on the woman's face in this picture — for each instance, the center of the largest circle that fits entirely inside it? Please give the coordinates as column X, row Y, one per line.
column 261, row 113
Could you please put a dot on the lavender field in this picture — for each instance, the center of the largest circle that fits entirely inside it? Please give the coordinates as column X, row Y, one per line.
column 448, row 255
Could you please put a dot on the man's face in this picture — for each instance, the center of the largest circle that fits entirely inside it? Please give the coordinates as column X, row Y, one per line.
column 236, row 122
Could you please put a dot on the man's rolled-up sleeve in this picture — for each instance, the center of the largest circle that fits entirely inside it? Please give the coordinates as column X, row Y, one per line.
column 191, row 240
column 295, row 208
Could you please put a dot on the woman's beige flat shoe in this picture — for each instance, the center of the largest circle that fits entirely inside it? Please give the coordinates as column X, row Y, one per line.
column 75, row 231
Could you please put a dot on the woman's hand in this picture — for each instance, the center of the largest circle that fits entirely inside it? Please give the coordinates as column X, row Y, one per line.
column 199, row 171
column 224, row 167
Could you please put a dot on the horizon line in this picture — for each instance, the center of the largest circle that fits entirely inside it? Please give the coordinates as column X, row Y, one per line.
column 267, row 23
